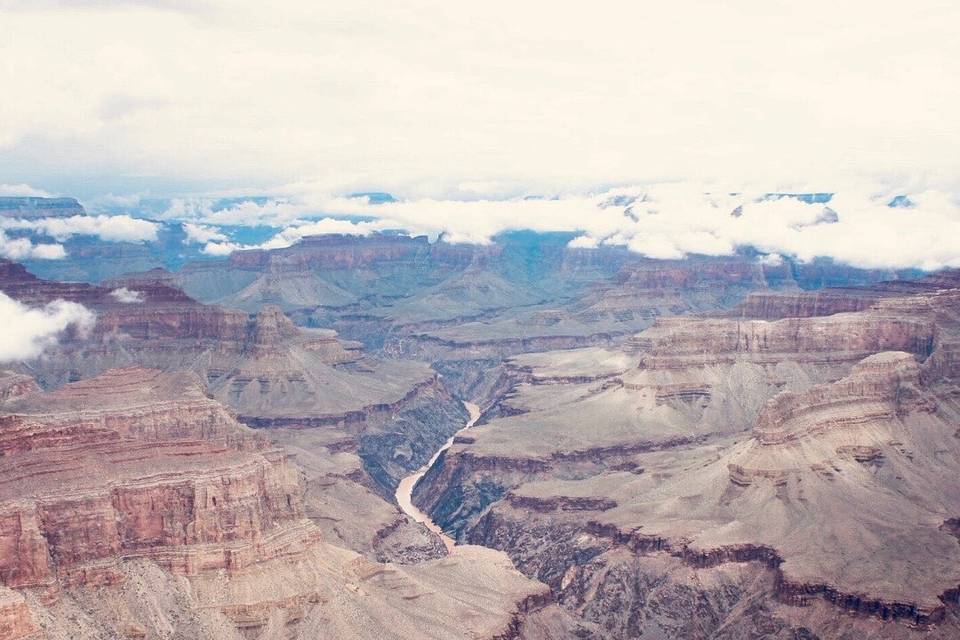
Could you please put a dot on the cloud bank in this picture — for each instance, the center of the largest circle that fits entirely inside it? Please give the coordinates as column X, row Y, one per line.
column 120, row 228
column 857, row 226
column 25, row 249
column 22, row 190
column 29, row 331
column 200, row 234
column 429, row 98
column 296, row 232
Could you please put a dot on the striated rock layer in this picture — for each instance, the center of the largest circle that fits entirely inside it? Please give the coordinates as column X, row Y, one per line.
column 136, row 463
column 133, row 505
column 270, row 372
column 16, row 620
column 728, row 477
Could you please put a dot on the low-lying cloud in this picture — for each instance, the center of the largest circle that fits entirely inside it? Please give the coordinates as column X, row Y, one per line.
column 294, row 233
column 29, row 331
column 200, row 234
column 857, row 225
column 22, row 190
column 126, row 295
column 119, row 228
column 25, row 249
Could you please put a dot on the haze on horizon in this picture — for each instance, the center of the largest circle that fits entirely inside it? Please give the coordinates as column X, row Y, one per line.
column 464, row 111
column 467, row 100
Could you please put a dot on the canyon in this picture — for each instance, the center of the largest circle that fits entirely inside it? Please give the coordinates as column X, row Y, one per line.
column 133, row 505
column 388, row 436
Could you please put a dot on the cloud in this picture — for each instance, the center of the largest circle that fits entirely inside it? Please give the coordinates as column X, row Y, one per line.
column 665, row 221
column 223, row 248
column 21, row 190
column 199, row 234
column 25, row 249
column 462, row 110
column 126, row 295
column 428, row 98
column 294, row 233
column 29, row 331
column 121, row 228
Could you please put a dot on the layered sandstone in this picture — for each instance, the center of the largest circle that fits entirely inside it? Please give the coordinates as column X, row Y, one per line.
column 880, row 387
column 774, row 305
column 133, row 505
column 13, row 385
column 835, row 338
column 137, row 463
column 16, row 621
column 802, row 465
column 386, row 416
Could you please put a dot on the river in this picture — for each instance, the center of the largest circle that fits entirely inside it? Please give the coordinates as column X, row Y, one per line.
column 405, row 489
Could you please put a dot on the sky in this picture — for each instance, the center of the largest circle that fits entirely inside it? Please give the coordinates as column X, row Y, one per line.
column 484, row 117
column 462, row 100
column 658, row 126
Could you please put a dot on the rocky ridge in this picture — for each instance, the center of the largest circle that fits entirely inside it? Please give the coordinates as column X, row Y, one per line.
column 772, row 468
column 150, row 512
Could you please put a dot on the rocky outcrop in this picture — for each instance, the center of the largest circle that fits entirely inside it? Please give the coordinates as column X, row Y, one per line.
column 678, row 342
column 880, row 387
column 334, row 251
column 137, row 463
column 14, row 385
column 770, row 305
column 15, row 619
column 774, row 305
column 133, row 505
column 783, row 454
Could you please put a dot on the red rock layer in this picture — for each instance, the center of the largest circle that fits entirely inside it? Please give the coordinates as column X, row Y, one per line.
column 15, row 619
column 13, row 385
column 843, row 337
column 137, row 463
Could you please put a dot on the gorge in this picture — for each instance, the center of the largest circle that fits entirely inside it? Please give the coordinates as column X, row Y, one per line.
column 699, row 448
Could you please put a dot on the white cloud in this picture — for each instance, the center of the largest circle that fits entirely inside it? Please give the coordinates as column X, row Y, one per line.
column 22, row 190
column 436, row 98
column 222, row 248
column 126, row 295
column 583, row 242
column 199, row 234
column 25, row 249
column 464, row 108
column 121, row 228
column 670, row 221
column 29, row 331
column 294, row 233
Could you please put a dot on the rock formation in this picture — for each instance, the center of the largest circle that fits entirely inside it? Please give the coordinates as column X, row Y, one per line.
column 35, row 207
column 716, row 476
column 270, row 372
column 696, row 448
column 133, row 505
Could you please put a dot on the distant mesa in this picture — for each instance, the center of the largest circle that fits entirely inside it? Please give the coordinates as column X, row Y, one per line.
column 35, row 207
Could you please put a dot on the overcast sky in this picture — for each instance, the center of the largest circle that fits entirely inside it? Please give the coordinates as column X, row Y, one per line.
column 449, row 98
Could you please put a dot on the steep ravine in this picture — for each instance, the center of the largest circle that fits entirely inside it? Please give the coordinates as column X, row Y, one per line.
column 404, row 492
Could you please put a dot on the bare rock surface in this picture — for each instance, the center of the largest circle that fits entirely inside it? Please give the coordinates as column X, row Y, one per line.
column 720, row 476
column 133, row 505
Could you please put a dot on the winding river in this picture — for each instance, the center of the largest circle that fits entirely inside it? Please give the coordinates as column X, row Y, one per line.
column 405, row 489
